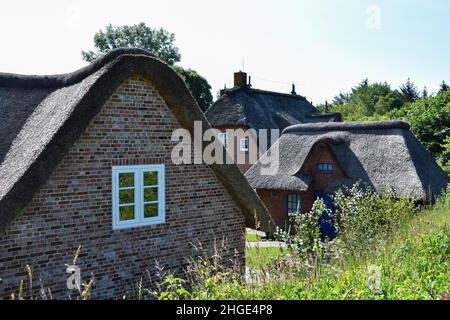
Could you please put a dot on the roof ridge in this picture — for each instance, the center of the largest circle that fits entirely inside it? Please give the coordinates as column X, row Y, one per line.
column 12, row 80
column 287, row 95
column 347, row 126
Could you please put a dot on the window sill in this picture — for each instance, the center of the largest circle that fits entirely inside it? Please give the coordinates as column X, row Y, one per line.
column 150, row 222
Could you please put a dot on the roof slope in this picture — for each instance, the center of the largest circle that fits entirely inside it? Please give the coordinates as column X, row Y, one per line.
column 380, row 154
column 44, row 115
column 258, row 109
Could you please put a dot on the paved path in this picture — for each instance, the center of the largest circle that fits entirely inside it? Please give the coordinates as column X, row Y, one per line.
column 265, row 244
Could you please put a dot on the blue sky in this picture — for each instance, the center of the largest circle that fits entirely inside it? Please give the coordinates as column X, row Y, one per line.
column 323, row 46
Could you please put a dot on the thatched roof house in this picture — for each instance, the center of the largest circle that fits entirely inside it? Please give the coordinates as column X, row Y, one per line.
column 260, row 109
column 322, row 157
column 85, row 159
column 243, row 107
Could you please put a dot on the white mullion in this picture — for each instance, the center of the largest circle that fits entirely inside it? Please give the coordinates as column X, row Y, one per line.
column 161, row 193
column 150, row 202
column 140, row 196
column 125, row 188
column 115, row 194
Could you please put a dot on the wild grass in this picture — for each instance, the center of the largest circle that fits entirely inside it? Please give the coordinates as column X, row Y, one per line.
column 404, row 254
column 385, row 249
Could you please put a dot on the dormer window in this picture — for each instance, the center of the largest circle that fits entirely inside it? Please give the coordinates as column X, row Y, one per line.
column 325, row 167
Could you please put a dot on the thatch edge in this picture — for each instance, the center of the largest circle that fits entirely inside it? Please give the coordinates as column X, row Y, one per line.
column 347, row 126
column 120, row 65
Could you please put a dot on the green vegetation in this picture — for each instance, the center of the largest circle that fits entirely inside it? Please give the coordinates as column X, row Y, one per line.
column 251, row 237
column 158, row 41
column 404, row 254
column 256, row 257
column 428, row 114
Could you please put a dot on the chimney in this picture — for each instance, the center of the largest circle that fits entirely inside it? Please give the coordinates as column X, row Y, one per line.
column 293, row 89
column 240, row 79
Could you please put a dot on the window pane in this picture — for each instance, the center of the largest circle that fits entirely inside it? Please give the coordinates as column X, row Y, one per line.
column 126, row 179
column 126, row 213
column 150, row 194
column 150, row 178
column 293, row 204
column 126, row 196
column 150, row 210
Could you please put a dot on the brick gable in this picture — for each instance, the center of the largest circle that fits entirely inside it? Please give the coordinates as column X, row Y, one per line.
column 74, row 206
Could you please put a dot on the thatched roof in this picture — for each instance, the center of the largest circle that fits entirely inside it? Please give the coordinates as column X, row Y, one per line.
column 259, row 109
column 380, row 154
column 42, row 116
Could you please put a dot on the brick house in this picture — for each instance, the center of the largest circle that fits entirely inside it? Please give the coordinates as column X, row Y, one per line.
column 85, row 160
column 317, row 159
column 243, row 108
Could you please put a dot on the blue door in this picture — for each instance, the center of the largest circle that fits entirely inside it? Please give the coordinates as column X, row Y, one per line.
column 326, row 221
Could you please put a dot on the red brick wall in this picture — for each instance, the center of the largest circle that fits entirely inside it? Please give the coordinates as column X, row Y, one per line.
column 74, row 206
column 321, row 154
column 276, row 201
column 244, row 162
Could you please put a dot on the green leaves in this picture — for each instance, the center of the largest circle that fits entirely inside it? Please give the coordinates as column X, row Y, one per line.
column 158, row 41
column 161, row 43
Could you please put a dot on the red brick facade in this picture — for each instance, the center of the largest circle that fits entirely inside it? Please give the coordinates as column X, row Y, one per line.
column 276, row 200
column 241, row 158
column 74, row 207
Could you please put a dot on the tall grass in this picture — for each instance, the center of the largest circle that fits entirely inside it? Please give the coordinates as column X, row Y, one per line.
column 386, row 249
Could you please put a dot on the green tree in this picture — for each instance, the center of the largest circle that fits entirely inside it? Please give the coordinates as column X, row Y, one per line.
column 198, row 85
column 425, row 92
column 408, row 92
column 443, row 87
column 158, row 41
column 366, row 100
column 430, row 122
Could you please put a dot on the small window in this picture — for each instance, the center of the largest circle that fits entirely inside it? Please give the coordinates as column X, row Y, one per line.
column 293, row 204
column 243, row 144
column 138, row 195
column 223, row 137
column 325, row 167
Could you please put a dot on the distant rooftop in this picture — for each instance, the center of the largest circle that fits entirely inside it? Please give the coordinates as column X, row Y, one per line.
column 260, row 109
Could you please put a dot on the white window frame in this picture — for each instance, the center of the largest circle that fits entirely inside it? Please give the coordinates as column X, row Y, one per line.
column 139, row 219
column 243, row 144
column 223, row 137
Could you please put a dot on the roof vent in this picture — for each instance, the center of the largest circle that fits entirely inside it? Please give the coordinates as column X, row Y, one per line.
column 240, row 79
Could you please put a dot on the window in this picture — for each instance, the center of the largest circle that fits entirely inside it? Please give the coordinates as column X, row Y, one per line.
column 325, row 167
column 138, row 195
column 293, row 204
column 223, row 137
column 243, row 144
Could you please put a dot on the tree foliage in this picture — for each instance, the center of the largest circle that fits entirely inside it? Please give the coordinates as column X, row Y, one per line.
column 198, row 85
column 408, row 92
column 428, row 115
column 430, row 122
column 158, row 41
column 443, row 87
column 366, row 100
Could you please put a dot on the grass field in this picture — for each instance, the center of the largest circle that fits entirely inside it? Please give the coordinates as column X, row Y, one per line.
column 411, row 263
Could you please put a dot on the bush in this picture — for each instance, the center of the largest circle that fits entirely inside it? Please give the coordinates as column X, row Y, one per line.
column 366, row 218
